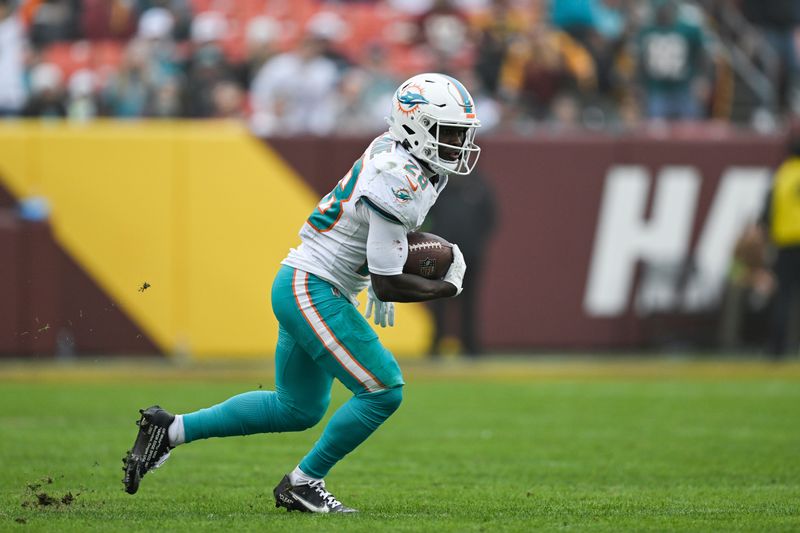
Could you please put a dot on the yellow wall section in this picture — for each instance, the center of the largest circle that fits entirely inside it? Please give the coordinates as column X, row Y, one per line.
column 200, row 210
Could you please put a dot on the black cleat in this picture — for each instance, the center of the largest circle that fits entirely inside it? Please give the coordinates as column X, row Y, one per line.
column 151, row 448
column 310, row 498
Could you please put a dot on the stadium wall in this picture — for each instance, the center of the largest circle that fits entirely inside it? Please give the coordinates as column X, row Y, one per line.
column 604, row 242
column 201, row 212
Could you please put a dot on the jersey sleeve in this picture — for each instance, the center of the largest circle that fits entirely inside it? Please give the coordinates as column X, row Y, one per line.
column 388, row 191
column 387, row 246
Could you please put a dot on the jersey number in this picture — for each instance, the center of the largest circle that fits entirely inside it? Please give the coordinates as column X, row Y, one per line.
column 416, row 179
column 329, row 209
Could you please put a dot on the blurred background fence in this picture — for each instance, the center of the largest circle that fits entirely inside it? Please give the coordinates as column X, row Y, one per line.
column 629, row 145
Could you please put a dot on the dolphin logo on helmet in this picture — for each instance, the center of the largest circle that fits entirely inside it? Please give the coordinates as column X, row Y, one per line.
column 410, row 99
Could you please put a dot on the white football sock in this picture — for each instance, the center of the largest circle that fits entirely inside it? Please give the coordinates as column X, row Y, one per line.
column 298, row 477
column 175, row 431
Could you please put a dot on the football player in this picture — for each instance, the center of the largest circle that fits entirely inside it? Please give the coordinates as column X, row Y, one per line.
column 354, row 239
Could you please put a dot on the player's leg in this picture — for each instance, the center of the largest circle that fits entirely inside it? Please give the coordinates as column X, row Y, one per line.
column 468, row 304
column 344, row 344
column 787, row 266
column 300, row 399
column 781, row 308
column 302, row 392
column 438, row 308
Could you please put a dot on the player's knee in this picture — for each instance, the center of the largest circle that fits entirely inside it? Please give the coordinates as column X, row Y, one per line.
column 389, row 400
column 375, row 407
column 315, row 411
column 307, row 417
column 305, row 414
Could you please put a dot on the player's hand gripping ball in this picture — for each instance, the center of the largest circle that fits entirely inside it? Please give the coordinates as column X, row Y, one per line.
column 429, row 255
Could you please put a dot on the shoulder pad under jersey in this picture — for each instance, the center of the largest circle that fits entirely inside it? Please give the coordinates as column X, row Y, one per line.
column 392, row 188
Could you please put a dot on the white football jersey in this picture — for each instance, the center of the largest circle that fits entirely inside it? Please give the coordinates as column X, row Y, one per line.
column 386, row 179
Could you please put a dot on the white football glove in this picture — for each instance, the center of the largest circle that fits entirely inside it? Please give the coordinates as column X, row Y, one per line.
column 455, row 274
column 384, row 311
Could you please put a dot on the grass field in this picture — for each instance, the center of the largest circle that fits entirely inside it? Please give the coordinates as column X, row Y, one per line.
column 498, row 446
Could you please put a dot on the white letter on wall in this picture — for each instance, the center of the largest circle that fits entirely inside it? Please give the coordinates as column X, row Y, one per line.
column 624, row 237
column 738, row 201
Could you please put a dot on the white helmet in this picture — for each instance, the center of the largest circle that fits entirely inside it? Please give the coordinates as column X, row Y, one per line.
column 425, row 105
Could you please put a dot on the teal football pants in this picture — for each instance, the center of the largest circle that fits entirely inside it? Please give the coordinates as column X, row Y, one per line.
column 321, row 336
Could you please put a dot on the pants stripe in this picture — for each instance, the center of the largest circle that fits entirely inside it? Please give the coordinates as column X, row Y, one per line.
column 326, row 336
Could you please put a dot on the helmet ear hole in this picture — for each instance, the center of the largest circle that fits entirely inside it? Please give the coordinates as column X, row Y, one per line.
column 408, row 130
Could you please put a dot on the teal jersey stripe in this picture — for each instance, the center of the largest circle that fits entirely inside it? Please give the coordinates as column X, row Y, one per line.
column 463, row 92
column 324, row 220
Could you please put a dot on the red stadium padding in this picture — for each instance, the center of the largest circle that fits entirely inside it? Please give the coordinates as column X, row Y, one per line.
column 10, row 282
column 49, row 305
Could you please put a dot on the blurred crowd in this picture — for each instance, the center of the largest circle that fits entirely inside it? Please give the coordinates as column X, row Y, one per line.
column 317, row 67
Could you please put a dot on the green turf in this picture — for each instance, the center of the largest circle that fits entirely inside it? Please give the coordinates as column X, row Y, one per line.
column 580, row 454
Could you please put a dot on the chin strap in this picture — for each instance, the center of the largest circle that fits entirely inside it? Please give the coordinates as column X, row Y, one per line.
column 426, row 168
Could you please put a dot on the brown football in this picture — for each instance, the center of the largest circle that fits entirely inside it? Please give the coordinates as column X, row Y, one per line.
column 429, row 255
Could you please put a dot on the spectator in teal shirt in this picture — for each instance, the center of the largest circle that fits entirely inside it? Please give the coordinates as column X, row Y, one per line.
column 670, row 64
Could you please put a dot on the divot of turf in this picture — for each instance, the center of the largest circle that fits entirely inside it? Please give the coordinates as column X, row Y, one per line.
column 43, row 499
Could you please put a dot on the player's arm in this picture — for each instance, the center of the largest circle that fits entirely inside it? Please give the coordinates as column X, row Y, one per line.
column 387, row 251
column 410, row 288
